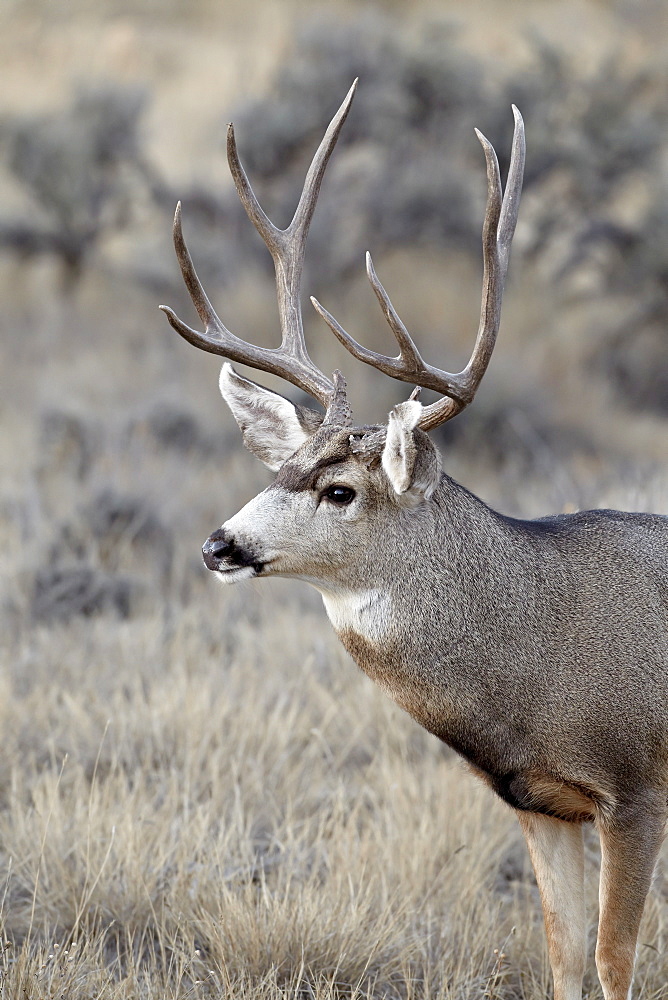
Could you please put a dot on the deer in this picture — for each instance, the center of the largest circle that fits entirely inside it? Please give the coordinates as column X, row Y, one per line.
column 536, row 649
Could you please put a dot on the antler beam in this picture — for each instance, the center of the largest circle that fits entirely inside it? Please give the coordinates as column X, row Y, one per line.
column 498, row 230
column 291, row 360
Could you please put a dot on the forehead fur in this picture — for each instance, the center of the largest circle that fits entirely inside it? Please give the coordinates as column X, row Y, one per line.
column 330, row 445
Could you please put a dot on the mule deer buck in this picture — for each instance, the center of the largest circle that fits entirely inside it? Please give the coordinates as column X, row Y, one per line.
column 536, row 649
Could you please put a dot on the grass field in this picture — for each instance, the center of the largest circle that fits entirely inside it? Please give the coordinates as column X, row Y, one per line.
column 200, row 794
column 207, row 799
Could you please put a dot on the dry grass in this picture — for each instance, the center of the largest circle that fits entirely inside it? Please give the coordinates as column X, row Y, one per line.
column 265, row 825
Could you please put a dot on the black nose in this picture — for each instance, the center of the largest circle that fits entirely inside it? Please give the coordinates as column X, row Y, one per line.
column 216, row 547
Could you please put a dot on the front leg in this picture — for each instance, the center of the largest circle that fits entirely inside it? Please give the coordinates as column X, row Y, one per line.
column 557, row 854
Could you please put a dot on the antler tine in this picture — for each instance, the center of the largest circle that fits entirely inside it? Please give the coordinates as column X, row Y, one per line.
column 291, row 360
column 304, row 211
column 409, row 361
column 287, row 246
column 205, row 310
column 497, row 234
column 498, row 229
column 511, row 198
column 270, row 233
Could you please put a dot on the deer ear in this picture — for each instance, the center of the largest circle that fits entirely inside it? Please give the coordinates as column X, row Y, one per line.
column 272, row 427
column 410, row 460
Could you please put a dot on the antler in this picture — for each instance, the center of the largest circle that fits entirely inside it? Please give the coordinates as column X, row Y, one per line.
column 497, row 234
column 291, row 360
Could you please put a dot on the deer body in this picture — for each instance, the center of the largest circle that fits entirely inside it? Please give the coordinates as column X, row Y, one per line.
column 508, row 660
column 538, row 650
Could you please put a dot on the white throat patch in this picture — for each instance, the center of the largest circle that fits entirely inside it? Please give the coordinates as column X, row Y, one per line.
column 367, row 612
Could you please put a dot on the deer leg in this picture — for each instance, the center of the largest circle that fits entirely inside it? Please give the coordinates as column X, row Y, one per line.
column 557, row 854
column 629, row 847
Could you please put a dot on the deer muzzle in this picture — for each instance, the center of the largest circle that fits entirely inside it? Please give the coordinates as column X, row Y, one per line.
column 222, row 554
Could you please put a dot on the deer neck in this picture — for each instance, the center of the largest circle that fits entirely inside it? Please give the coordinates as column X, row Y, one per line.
column 417, row 573
column 424, row 553
column 411, row 630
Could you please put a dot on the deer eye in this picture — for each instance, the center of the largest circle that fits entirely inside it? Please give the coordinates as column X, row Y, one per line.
column 340, row 495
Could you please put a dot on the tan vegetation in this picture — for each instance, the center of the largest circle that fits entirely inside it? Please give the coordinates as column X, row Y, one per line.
column 199, row 794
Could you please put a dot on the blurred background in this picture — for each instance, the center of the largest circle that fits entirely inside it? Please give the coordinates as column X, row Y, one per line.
column 113, row 430
column 196, row 782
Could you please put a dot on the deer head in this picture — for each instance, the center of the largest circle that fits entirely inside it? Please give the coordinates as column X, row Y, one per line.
column 339, row 488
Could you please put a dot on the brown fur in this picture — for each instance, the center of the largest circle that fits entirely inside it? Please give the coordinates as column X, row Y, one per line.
column 627, row 867
column 293, row 477
column 553, row 796
column 381, row 663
